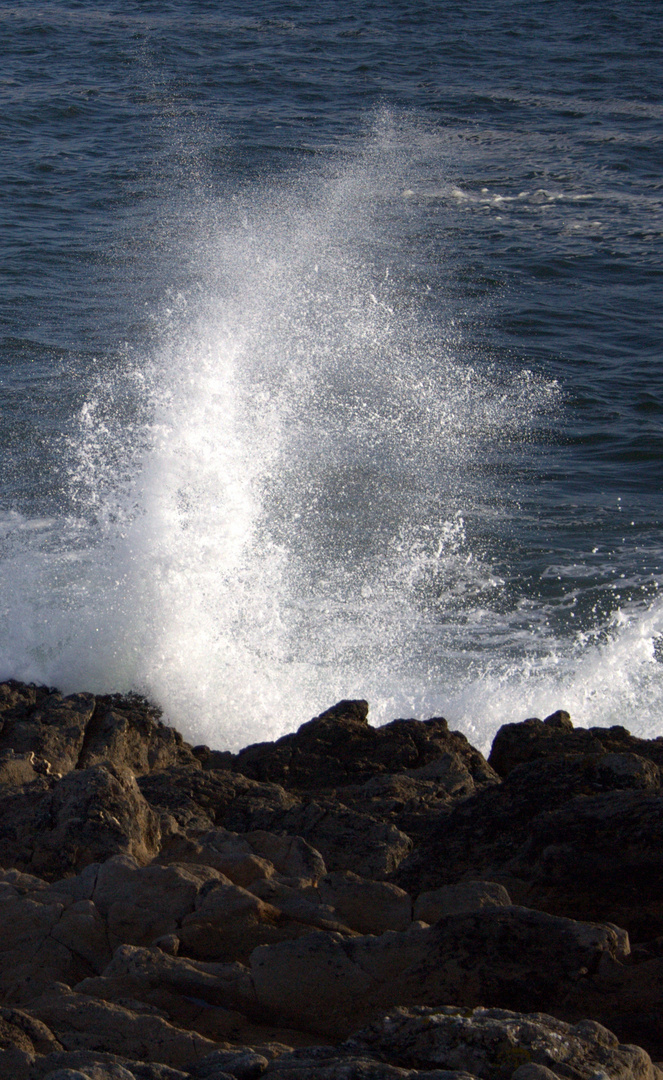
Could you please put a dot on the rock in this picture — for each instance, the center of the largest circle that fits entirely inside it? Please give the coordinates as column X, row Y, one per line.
column 17, row 769
column 345, row 839
column 47, row 937
column 496, row 1043
column 229, row 923
column 95, row 1064
column 95, row 813
column 301, row 905
column 339, row 747
column 484, row 833
column 460, row 899
column 225, row 851
column 21, row 1040
column 601, row 854
column 84, row 1023
column 141, row 904
column 371, row 907
column 50, row 726
column 331, row 1063
column 200, row 798
column 326, row 983
column 413, row 804
column 227, row 985
column 127, row 731
column 94, row 1072
column 242, row 1064
column 291, row 856
column 534, row 740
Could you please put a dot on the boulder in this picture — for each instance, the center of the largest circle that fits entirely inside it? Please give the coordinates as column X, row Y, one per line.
column 204, row 798
column 47, row 937
column 534, row 740
column 141, row 904
column 93, row 814
column 84, row 1023
column 346, row 839
column 495, row 1043
column 50, row 726
column 460, row 899
column 22, row 1039
column 230, row 922
column 370, row 907
column 127, row 731
column 225, row 851
column 485, row 832
column 339, row 747
column 326, row 983
column 601, row 854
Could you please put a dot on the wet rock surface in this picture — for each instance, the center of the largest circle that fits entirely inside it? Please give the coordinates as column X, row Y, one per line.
column 347, row 902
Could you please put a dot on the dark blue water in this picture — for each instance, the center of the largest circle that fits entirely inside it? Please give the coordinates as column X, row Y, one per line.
column 330, row 358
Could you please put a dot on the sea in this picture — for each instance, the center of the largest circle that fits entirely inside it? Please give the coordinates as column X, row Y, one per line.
column 331, row 358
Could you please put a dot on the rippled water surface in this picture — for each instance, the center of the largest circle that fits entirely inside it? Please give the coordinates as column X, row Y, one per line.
column 330, row 358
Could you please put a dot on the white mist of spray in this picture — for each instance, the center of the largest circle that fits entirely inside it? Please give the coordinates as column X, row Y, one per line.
column 271, row 506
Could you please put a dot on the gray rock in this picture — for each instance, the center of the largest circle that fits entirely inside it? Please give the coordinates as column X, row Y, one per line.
column 495, row 1043
column 242, row 1064
column 460, row 899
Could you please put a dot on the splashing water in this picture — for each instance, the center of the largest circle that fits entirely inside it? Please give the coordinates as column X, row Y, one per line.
column 287, row 501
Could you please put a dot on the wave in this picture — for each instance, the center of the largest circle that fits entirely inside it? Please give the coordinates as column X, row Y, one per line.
column 290, row 494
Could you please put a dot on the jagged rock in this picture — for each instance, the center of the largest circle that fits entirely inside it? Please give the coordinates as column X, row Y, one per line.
column 57, row 827
column 141, row 904
column 128, row 732
column 601, row 854
column 533, row 740
column 345, row 839
column 413, row 803
column 50, row 726
column 84, row 1023
column 371, row 907
column 47, row 936
column 94, row 814
column 326, row 983
column 339, row 747
column 330, row 1063
column 460, row 899
column 204, row 798
column 494, row 1043
column 485, row 832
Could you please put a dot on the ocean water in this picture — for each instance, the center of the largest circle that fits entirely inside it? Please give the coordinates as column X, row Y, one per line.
column 331, row 358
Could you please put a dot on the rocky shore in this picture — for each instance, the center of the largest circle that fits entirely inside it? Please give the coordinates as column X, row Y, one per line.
column 347, row 903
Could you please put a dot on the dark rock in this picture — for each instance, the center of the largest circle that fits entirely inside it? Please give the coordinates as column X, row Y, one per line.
column 601, row 854
column 201, row 798
column 484, row 833
column 52, row 727
column 128, row 732
column 56, row 828
column 496, row 1044
column 339, row 747
column 511, row 957
column 555, row 736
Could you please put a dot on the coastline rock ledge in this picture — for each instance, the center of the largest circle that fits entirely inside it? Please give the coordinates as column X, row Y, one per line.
column 346, row 903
